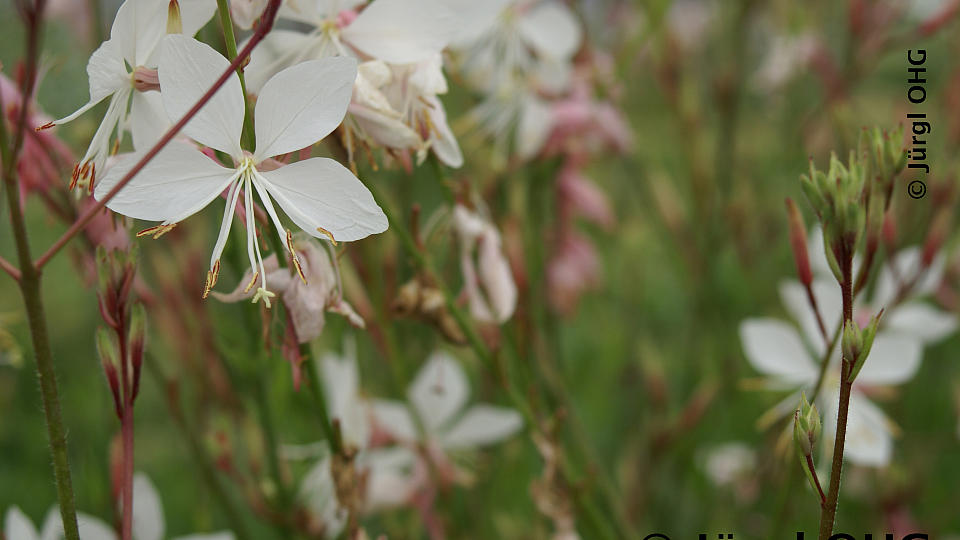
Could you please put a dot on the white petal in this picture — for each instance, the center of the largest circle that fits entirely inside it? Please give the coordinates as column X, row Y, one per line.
column 319, row 494
column 278, row 278
column 303, row 104
column 444, row 143
column 176, row 183
column 386, row 129
column 482, row 425
column 92, row 528
column 106, row 74
column 921, row 321
column 439, row 391
column 552, row 30
column 342, row 384
column 52, row 525
column 148, row 521
column 187, row 70
column 893, row 359
column 774, row 348
column 907, row 263
column 391, row 479
column 477, row 18
column 827, row 294
column 534, row 128
column 148, row 119
column 402, row 31
column 321, row 193
column 17, row 525
column 394, row 418
column 279, row 49
column 869, row 441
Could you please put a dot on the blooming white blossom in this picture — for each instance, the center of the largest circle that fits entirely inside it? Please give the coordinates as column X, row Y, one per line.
column 488, row 280
column 295, row 109
column 112, row 70
column 438, row 396
column 148, row 521
column 399, row 42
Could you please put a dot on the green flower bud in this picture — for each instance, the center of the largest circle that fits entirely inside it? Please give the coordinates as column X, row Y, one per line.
column 866, row 343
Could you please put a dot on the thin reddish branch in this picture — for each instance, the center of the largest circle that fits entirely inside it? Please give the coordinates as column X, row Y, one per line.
column 9, row 268
column 266, row 23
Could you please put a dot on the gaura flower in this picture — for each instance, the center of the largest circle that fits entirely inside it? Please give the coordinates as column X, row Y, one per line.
column 148, row 521
column 790, row 361
column 306, row 300
column 438, row 396
column 113, row 72
column 487, row 277
column 296, row 108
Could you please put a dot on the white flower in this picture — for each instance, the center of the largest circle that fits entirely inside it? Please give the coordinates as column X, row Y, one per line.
column 727, row 462
column 905, row 312
column 137, row 30
column 438, row 397
column 487, row 278
column 245, row 12
column 777, row 350
column 295, row 109
column 388, row 471
column 148, row 521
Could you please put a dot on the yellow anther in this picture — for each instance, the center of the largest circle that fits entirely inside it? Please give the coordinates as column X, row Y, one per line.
column 252, row 281
column 329, row 235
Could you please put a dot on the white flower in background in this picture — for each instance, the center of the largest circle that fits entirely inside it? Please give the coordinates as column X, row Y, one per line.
column 387, row 471
column 509, row 39
column 786, row 57
column 400, row 42
column 789, row 361
column 393, row 31
column 309, row 299
column 514, row 51
column 487, row 277
column 113, row 71
column 438, row 396
column 905, row 312
column 148, row 521
column 726, row 463
column 245, row 12
column 296, row 108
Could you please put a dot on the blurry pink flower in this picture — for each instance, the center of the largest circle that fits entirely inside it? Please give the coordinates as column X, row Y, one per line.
column 488, row 279
column 590, row 124
column 76, row 15
column 43, row 158
column 573, row 269
column 579, row 196
column 307, row 302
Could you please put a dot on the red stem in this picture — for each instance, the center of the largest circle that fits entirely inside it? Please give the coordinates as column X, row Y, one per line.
column 266, row 23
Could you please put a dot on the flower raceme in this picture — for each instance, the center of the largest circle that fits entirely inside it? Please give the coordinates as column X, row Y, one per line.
column 296, row 108
column 113, row 71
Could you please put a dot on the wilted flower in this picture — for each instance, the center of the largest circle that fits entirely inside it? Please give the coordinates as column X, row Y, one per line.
column 113, row 69
column 296, row 108
column 488, row 280
column 306, row 300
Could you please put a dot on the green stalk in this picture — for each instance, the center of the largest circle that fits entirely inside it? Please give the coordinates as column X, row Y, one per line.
column 230, row 40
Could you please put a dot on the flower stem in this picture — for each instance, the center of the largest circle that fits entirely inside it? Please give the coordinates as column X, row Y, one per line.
column 230, row 40
column 29, row 283
column 829, row 509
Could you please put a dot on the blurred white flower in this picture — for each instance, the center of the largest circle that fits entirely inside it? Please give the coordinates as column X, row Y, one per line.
column 387, row 472
column 786, row 56
column 134, row 38
column 148, row 521
column 777, row 350
column 727, row 462
column 487, row 277
column 245, row 12
column 295, row 109
column 438, row 396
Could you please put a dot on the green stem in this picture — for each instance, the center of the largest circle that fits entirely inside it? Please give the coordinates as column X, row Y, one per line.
column 319, row 400
column 230, row 40
column 204, row 462
column 30, row 290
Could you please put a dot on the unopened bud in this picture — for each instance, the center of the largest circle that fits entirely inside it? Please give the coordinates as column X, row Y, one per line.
column 866, row 343
column 107, row 351
column 806, row 426
column 798, row 241
column 852, row 341
column 136, row 339
column 174, row 22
